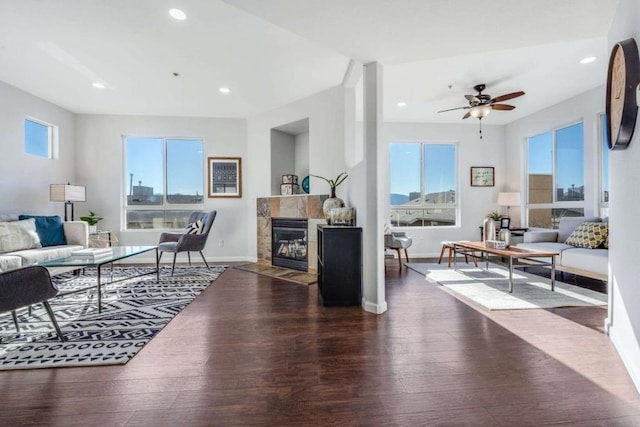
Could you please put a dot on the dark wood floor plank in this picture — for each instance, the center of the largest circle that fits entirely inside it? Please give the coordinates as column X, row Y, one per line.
column 253, row 350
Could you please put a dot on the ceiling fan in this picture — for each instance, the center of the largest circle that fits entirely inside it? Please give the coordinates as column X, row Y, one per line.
column 481, row 104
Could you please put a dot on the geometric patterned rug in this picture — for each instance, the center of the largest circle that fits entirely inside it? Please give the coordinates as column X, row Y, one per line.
column 134, row 309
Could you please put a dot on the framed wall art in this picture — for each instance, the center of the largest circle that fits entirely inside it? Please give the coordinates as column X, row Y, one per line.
column 225, row 176
column 482, row 176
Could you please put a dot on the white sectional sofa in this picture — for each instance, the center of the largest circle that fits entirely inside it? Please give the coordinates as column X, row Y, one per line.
column 21, row 244
column 586, row 262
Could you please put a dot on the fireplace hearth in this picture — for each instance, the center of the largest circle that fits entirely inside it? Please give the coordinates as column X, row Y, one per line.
column 289, row 238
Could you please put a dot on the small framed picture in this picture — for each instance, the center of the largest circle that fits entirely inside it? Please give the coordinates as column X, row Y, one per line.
column 505, row 222
column 482, row 176
column 225, row 176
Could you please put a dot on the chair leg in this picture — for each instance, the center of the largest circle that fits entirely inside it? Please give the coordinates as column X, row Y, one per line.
column 399, row 258
column 450, row 255
column 15, row 321
column 53, row 319
column 441, row 253
column 189, row 256
column 475, row 260
column 406, row 254
column 160, row 256
column 205, row 261
column 466, row 257
column 173, row 266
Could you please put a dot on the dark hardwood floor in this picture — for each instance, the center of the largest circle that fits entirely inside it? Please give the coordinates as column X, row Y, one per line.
column 253, row 350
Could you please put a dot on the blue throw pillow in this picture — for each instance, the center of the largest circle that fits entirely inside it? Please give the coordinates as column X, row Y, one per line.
column 49, row 229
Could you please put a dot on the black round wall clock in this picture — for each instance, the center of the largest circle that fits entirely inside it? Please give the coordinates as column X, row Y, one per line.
column 622, row 79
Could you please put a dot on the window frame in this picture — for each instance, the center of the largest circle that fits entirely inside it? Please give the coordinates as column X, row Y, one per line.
column 423, row 206
column 555, row 204
column 52, row 137
column 165, row 205
column 603, row 203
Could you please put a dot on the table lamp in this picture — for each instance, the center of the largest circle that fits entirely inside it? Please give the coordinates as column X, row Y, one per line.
column 68, row 194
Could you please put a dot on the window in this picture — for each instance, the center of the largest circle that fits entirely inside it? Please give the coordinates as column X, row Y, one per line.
column 39, row 138
column 423, row 182
column 555, row 176
column 165, row 181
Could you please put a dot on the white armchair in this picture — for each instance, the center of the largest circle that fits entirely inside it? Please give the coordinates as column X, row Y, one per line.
column 398, row 240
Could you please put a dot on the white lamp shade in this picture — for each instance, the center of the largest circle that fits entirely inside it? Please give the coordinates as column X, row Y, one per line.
column 479, row 111
column 509, row 198
column 67, row 193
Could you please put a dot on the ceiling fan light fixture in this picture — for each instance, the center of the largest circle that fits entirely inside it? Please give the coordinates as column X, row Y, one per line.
column 480, row 111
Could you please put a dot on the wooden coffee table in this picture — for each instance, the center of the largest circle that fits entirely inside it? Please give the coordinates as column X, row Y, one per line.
column 512, row 253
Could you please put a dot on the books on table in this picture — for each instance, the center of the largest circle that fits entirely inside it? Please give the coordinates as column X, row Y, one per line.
column 93, row 254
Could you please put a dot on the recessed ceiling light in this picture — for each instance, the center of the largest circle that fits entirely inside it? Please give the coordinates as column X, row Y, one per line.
column 177, row 14
column 402, row 104
column 587, row 60
column 99, row 85
column 224, row 90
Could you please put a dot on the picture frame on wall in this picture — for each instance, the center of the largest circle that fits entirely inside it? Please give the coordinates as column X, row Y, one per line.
column 224, row 176
column 482, row 176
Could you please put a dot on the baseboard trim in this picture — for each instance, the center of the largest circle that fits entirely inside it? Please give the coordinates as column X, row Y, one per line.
column 630, row 361
column 374, row 308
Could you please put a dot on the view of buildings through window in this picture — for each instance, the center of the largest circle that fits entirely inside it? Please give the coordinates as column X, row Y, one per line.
column 422, row 184
column 604, row 180
column 39, row 138
column 165, row 181
column 555, row 176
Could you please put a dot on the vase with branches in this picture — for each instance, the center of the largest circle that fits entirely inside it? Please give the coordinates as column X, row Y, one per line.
column 332, row 201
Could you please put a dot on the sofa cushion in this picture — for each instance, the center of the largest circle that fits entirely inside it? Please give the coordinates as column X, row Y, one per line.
column 49, row 229
column 593, row 260
column 17, row 235
column 32, row 256
column 589, row 235
column 570, row 223
column 547, row 246
column 10, row 262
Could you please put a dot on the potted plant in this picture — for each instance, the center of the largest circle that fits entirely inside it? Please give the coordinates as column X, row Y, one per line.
column 92, row 220
column 495, row 215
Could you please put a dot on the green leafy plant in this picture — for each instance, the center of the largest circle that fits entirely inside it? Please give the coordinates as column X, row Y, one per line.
column 495, row 215
column 91, row 219
column 333, row 183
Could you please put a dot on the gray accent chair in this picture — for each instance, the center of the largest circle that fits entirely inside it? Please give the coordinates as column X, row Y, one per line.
column 26, row 286
column 184, row 242
column 398, row 240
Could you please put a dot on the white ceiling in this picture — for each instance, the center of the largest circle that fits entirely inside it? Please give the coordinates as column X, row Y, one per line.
column 272, row 52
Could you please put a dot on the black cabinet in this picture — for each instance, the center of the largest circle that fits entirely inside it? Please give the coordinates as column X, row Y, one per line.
column 339, row 265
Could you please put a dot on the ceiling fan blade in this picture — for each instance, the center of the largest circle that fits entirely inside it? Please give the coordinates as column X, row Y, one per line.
column 466, row 116
column 502, row 107
column 472, row 98
column 507, row 96
column 451, row 109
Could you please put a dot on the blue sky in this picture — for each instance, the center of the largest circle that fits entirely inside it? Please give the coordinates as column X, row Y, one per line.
column 185, row 170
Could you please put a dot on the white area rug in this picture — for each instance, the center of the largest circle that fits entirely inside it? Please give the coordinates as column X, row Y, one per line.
column 490, row 288
column 134, row 309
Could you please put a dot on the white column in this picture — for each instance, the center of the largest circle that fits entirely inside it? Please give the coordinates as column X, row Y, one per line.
column 374, row 157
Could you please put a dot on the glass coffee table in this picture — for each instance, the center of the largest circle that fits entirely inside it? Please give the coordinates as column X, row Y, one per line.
column 118, row 253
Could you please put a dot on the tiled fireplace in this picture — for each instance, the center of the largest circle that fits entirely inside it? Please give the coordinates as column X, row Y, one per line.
column 302, row 206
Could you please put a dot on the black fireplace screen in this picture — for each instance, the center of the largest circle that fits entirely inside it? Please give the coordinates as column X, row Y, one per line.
column 289, row 237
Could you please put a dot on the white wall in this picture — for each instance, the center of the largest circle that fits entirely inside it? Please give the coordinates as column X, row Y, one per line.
column 282, row 158
column 474, row 202
column 325, row 112
column 101, row 169
column 25, row 187
column 586, row 108
column 624, row 205
column 301, row 161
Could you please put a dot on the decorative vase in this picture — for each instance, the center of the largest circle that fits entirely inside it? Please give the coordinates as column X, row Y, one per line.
column 488, row 229
column 330, row 203
column 505, row 236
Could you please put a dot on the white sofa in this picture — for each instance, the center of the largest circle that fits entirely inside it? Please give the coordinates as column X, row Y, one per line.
column 29, row 251
column 592, row 263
